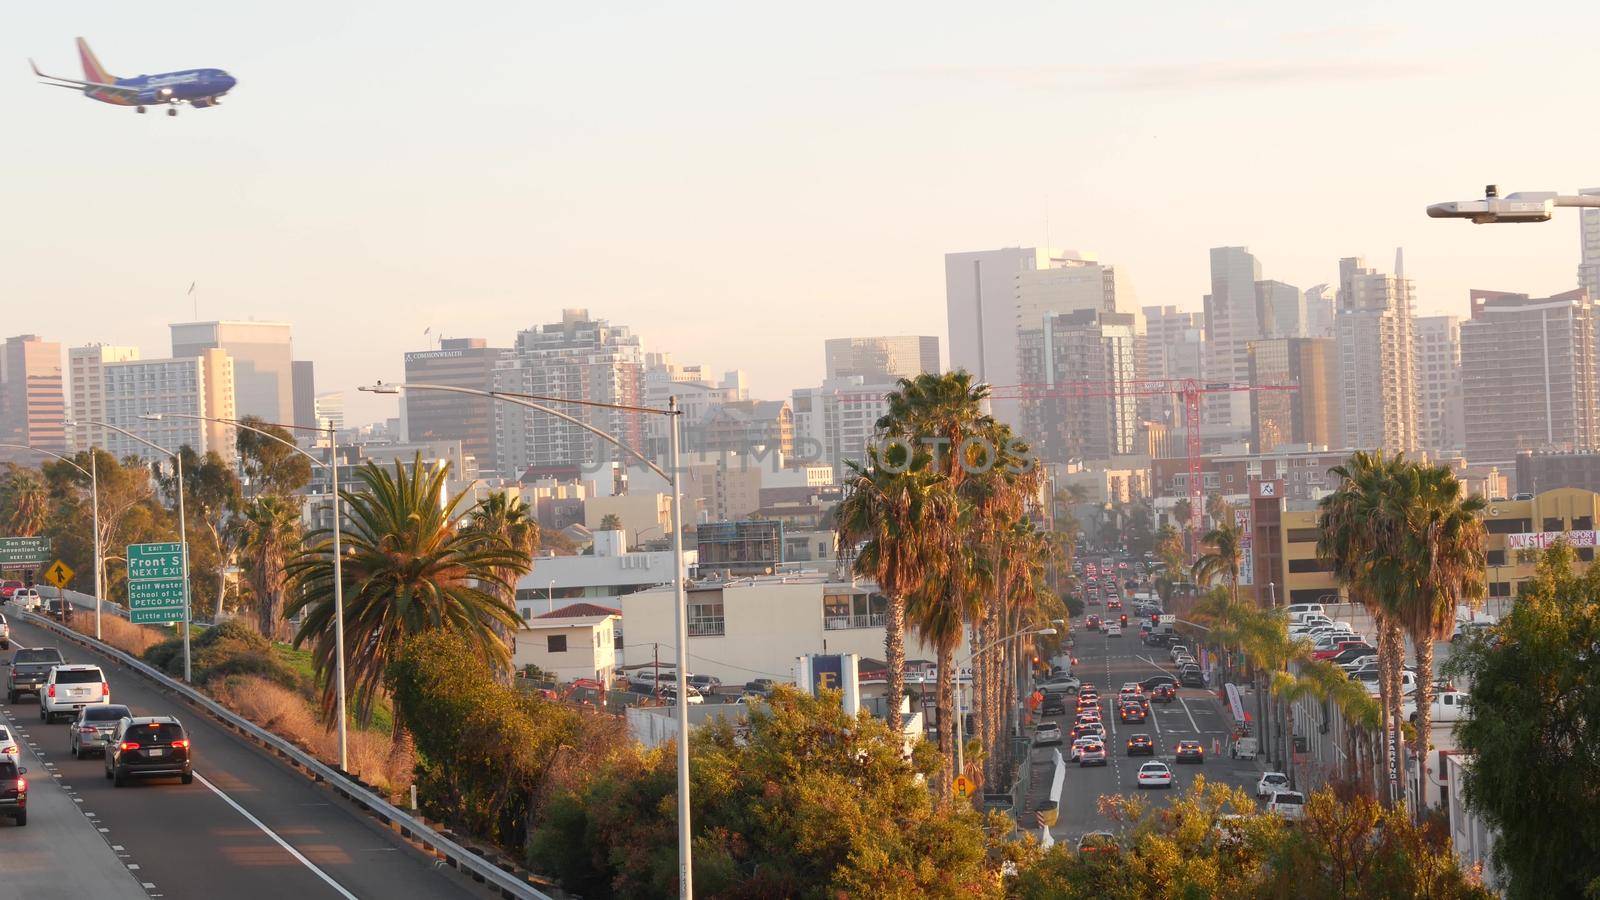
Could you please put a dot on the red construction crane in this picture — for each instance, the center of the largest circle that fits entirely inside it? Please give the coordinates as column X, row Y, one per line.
column 1190, row 389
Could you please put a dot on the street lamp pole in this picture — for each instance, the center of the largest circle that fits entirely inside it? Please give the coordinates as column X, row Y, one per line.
column 94, row 499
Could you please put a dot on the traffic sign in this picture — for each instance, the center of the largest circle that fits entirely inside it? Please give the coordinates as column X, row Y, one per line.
column 58, row 574
column 155, row 583
column 964, row 787
column 24, row 551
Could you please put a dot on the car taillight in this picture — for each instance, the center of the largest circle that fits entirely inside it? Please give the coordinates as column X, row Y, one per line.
column 181, row 743
column 52, row 691
column 22, row 785
column 128, row 745
column 87, row 729
column 105, row 689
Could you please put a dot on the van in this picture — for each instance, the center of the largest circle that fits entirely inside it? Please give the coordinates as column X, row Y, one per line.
column 1298, row 611
column 1244, row 748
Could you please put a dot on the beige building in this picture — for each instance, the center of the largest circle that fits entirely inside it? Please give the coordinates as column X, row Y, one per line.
column 1377, row 358
column 645, row 515
column 881, row 358
column 1307, row 415
column 262, row 359
column 575, row 641
column 199, row 385
column 1439, row 382
column 33, row 402
column 87, row 390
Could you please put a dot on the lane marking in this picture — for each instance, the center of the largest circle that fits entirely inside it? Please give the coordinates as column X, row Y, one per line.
column 1189, row 714
column 278, row 840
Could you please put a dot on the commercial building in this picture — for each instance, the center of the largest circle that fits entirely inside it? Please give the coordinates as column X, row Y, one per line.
column 304, row 384
column 1377, row 358
column 576, row 641
column 881, row 359
column 834, row 423
column 1232, row 322
column 1082, row 367
column 603, row 576
column 87, row 386
column 980, row 306
column 1281, row 310
column 1528, row 378
column 200, row 385
column 1439, row 382
column 743, row 426
column 1589, row 247
column 440, row 415
column 698, row 396
column 1544, row 470
column 33, row 400
column 330, row 410
column 263, row 362
column 644, row 515
column 1307, row 415
column 750, row 547
column 1303, row 471
column 1320, row 311
column 1173, row 346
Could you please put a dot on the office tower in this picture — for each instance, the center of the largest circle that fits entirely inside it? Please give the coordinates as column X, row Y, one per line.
column 1231, row 324
column 1439, row 382
column 1320, row 305
column 263, row 363
column 578, row 358
column 1069, row 281
column 1589, row 237
column 1377, row 369
column 442, row 416
column 1093, row 422
column 834, row 422
column 330, row 411
column 199, row 385
column 33, row 400
column 1280, row 310
column 1308, row 415
column 881, row 358
column 1528, row 377
column 86, row 386
column 1172, row 347
column 980, row 306
column 305, row 396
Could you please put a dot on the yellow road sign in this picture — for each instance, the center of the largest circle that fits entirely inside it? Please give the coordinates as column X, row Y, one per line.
column 964, row 787
column 58, row 574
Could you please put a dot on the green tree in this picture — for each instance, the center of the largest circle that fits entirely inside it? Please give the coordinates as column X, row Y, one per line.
column 129, row 514
column 1225, row 550
column 410, row 565
column 24, row 500
column 271, row 466
column 267, row 533
column 610, row 522
column 1530, row 729
column 211, row 497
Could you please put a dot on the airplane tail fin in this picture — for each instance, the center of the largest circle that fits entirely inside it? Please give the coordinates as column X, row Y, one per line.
column 92, row 70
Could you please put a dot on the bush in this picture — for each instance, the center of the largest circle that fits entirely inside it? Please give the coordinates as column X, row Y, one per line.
column 231, row 648
column 131, row 639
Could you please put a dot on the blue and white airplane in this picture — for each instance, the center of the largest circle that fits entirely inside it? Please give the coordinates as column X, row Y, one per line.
column 199, row 88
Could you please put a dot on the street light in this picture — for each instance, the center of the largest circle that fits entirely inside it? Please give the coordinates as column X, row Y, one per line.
column 961, row 728
column 680, row 599
column 1522, row 206
column 94, row 493
column 183, row 526
column 332, row 465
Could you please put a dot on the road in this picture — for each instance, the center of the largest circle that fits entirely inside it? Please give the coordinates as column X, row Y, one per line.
column 248, row 827
column 1108, row 662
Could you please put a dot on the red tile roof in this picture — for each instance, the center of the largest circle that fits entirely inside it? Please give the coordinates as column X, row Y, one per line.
column 580, row 610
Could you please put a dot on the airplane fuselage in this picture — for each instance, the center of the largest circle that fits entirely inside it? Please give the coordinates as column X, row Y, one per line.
column 198, row 87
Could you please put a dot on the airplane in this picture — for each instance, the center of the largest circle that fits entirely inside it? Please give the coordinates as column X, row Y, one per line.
column 200, row 88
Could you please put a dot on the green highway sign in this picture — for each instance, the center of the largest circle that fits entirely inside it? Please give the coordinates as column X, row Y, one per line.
column 24, row 551
column 155, row 583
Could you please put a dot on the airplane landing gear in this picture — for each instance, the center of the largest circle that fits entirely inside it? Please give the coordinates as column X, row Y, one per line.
column 172, row 111
column 139, row 110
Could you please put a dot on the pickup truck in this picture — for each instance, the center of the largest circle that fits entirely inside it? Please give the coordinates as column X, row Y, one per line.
column 30, row 669
column 1448, row 706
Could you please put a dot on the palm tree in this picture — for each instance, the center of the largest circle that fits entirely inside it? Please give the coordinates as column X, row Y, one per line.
column 267, row 532
column 412, row 563
column 504, row 518
column 26, row 498
column 1222, row 560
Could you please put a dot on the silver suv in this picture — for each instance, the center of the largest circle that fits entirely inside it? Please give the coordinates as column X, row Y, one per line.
column 93, row 728
column 5, row 634
column 71, row 688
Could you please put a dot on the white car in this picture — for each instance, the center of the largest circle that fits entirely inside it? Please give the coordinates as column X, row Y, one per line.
column 1176, row 651
column 27, row 598
column 1155, row 775
column 1298, row 611
column 1092, row 755
column 1047, row 734
column 1113, row 631
column 1288, row 804
column 1448, row 706
column 8, row 746
column 1271, row 783
column 1079, row 744
column 70, row 688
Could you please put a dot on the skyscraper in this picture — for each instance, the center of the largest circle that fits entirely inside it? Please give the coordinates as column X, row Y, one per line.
column 200, row 385
column 1280, row 310
column 1528, row 375
column 1231, row 324
column 1087, row 345
column 303, row 382
column 1308, row 415
column 1377, row 358
column 1320, row 304
column 1172, row 347
column 1439, row 382
column 87, row 386
column 263, row 362
column 980, row 306
column 881, row 358
column 33, row 401
column 441, row 416
column 1589, row 244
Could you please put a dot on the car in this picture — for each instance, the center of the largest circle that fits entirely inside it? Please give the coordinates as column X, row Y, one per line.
column 8, row 588
column 69, row 688
column 1339, row 647
column 705, row 684
column 1113, row 603
column 762, row 686
column 1360, row 663
column 1092, row 755
column 1155, row 775
column 1059, row 685
column 644, row 681
column 1053, row 705
column 149, row 747
column 668, row 694
column 13, row 791
column 1098, row 842
column 1088, row 728
column 1113, row 630
column 1086, row 716
column 1468, row 629
column 1177, row 650
column 29, row 668
column 1271, row 783
column 1079, row 743
column 1298, row 611
column 1190, row 751
column 1191, row 677
column 1351, row 653
column 5, row 634
column 8, row 745
column 1448, row 706
column 1092, row 623
column 1289, row 805
column 58, row 609
column 27, row 598
column 1088, row 699
column 1164, row 693
column 1141, row 745
column 1150, row 684
column 1048, row 734
column 92, row 729
column 1131, row 712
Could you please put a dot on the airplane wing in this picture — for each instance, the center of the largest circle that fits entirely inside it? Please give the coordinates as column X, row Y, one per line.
column 58, row 81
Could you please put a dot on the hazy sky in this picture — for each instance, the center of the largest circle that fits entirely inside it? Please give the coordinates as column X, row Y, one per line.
column 739, row 181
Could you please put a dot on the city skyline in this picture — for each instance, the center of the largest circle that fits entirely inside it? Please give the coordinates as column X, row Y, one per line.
column 394, row 212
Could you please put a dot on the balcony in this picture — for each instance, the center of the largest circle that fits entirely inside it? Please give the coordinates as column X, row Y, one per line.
column 706, row 626
column 843, row 623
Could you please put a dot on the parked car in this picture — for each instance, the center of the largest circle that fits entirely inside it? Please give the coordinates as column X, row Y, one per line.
column 1290, row 805
column 1338, row 647
column 1098, row 842
column 149, row 747
column 27, row 598
column 1353, row 652
column 645, row 680
column 1190, row 751
column 1191, row 677
column 92, row 729
column 8, row 588
column 762, row 686
column 8, row 745
column 1448, row 706
column 1092, row 755
column 1298, row 611
column 70, row 688
column 1048, row 734
column 1141, row 745
column 29, row 668
column 668, row 694
column 1155, row 775
column 705, row 684
column 13, row 791
column 1177, row 650
column 1244, row 748
column 1271, row 783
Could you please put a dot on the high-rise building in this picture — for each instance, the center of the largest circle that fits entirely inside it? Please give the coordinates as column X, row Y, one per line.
column 1232, row 322
column 1320, row 311
column 980, row 306
column 442, row 416
column 1280, row 310
column 200, row 385
column 263, row 362
column 33, row 400
column 834, row 423
column 1439, row 382
column 1172, row 347
column 578, row 358
column 304, row 384
column 86, row 385
column 1528, row 378
column 1589, row 244
column 1377, row 358
column 330, row 410
column 1307, row 415
column 697, row 395
column 881, row 358
column 1097, row 422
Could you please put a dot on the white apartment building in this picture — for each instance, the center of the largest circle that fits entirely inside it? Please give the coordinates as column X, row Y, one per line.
column 86, row 389
column 610, row 573
column 1377, row 358
column 263, row 362
column 576, row 641
column 1439, row 382
column 196, row 386
column 834, row 423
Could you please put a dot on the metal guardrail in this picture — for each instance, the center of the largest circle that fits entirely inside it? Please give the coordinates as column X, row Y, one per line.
column 507, row 883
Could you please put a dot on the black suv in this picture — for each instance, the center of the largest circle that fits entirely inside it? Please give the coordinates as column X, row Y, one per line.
column 13, row 791
column 149, row 747
column 30, row 669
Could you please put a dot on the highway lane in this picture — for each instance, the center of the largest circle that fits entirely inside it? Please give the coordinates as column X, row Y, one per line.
column 248, row 827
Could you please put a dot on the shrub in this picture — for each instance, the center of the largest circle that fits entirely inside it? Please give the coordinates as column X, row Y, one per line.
column 118, row 632
column 231, row 648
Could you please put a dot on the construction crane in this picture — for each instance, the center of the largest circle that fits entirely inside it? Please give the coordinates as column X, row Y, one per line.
column 1190, row 389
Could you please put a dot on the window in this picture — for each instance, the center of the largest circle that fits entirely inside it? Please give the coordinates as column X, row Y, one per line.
column 1582, row 523
column 1495, row 557
column 1309, row 565
column 1499, row 588
column 706, row 614
column 1586, row 554
column 1304, row 535
column 1508, row 526
column 842, row 611
column 555, row 643
column 1553, row 523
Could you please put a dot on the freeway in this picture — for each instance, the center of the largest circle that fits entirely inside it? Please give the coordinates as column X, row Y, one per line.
column 1108, row 662
column 248, row 827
